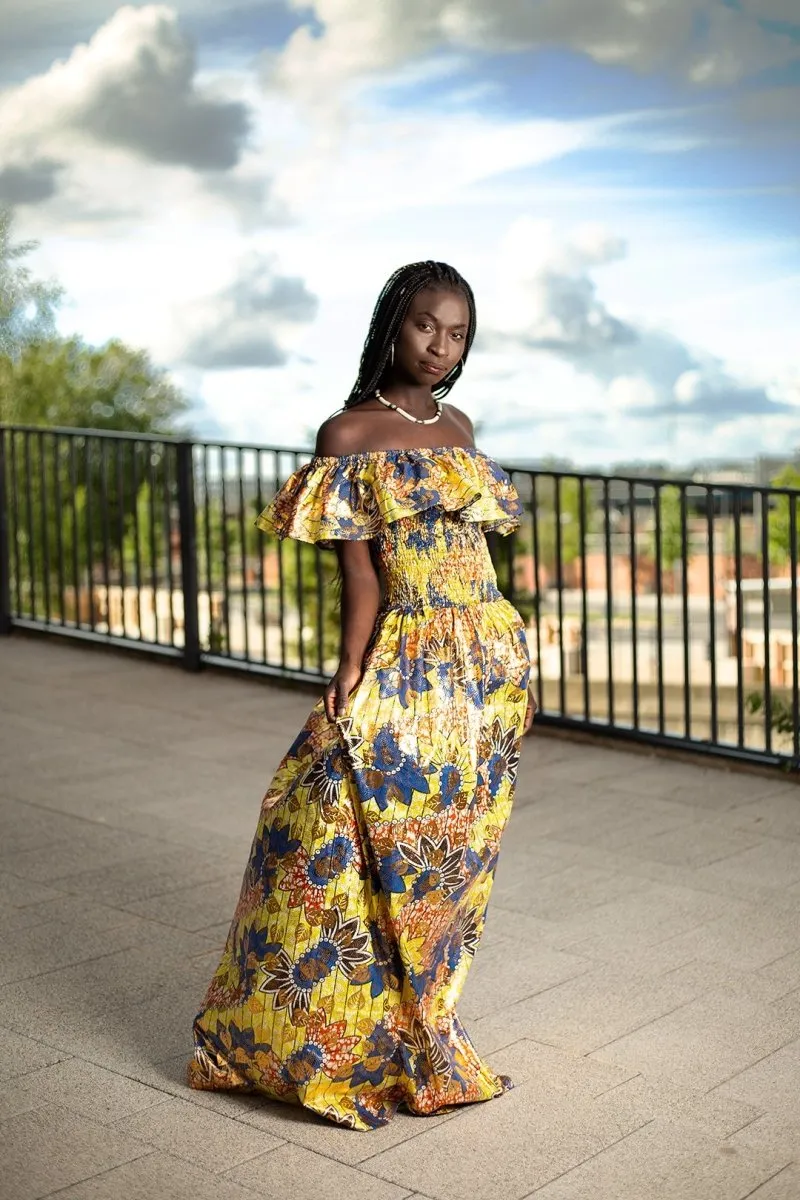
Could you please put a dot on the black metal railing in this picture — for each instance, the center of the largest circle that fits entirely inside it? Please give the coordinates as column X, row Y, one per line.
column 660, row 610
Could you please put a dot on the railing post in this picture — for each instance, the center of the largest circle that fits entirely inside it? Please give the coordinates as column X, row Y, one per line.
column 5, row 559
column 188, row 535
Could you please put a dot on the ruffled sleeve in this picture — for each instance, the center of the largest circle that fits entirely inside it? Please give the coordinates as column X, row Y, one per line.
column 325, row 500
column 351, row 497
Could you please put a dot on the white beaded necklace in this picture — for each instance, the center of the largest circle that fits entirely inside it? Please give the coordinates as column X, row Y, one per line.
column 408, row 416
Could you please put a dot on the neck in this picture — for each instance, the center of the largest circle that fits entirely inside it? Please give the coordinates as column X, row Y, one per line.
column 415, row 398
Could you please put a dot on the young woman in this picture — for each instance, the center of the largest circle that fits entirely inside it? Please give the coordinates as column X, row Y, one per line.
column 365, row 894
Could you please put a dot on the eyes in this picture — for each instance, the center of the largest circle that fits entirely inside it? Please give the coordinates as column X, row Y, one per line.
column 426, row 325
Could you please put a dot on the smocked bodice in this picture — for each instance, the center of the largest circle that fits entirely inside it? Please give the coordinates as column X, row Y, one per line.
column 425, row 510
column 433, row 559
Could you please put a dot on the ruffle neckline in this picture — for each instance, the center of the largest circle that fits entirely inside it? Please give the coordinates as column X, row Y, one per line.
column 396, row 452
column 352, row 496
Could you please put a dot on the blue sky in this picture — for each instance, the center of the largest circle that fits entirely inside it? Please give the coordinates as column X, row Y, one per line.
column 229, row 186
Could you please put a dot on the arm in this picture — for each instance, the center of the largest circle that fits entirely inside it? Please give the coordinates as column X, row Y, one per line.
column 360, row 600
column 360, row 586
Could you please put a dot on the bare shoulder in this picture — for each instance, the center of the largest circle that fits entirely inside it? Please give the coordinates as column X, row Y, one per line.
column 460, row 419
column 343, row 433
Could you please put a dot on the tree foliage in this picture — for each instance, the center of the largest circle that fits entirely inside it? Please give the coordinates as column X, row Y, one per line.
column 311, row 587
column 27, row 305
column 779, row 525
column 77, row 504
column 59, row 382
column 559, row 523
column 668, row 500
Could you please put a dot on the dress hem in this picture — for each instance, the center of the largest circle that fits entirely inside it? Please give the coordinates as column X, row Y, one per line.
column 403, row 1105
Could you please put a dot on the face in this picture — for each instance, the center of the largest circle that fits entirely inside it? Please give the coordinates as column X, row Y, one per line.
column 432, row 337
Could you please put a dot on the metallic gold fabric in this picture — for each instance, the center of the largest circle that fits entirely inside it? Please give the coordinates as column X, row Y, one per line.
column 365, row 893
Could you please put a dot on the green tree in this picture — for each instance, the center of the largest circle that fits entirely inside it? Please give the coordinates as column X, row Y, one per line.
column 54, row 382
column 144, row 539
column 779, row 524
column 75, row 505
column 672, row 547
column 74, row 502
column 507, row 552
column 65, row 382
column 232, row 553
column 667, row 503
column 27, row 305
column 311, row 585
column 563, row 533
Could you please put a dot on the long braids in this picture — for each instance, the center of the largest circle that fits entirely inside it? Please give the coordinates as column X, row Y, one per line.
column 387, row 319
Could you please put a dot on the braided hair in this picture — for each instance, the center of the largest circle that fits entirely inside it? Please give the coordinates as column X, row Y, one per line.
column 387, row 319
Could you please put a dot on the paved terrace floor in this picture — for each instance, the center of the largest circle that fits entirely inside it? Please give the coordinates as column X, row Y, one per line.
column 639, row 977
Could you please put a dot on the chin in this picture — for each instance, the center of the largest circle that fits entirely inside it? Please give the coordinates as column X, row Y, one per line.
column 426, row 379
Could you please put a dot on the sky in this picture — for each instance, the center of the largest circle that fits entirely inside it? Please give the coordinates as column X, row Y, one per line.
column 229, row 184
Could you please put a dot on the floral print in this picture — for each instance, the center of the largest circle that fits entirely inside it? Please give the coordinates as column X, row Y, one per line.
column 365, row 892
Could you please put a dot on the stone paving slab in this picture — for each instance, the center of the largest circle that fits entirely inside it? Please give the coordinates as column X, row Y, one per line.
column 306, row 1175
column 48, row 1148
column 784, row 1185
column 155, row 1176
column 22, row 1054
column 290, row 1122
column 84, row 1088
column 211, row 1141
column 638, row 977
column 664, row 1160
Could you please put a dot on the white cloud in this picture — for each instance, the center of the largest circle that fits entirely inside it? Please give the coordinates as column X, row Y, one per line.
column 30, row 184
column 645, row 35
column 126, row 134
column 133, row 86
column 36, row 32
column 689, row 386
column 773, row 10
column 357, row 38
column 249, row 323
column 588, row 349
column 743, row 437
column 591, row 403
column 384, row 161
column 771, row 112
column 736, row 46
column 548, row 298
column 283, row 407
column 627, row 392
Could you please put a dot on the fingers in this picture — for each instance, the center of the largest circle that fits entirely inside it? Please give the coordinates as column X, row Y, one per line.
column 335, row 697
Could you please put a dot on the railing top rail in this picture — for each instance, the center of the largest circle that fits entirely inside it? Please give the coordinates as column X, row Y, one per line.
column 654, row 481
column 111, row 434
column 648, row 481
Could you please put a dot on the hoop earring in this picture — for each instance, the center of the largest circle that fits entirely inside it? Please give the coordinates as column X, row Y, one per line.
column 391, row 355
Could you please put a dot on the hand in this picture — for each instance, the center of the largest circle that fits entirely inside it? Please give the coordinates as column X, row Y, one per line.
column 338, row 690
column 530, row 712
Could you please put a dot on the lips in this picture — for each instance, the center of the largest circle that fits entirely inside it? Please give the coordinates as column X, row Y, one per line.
column 432, row 368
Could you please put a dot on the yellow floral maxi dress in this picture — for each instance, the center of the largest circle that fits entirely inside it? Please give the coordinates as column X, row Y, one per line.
column 365, row 893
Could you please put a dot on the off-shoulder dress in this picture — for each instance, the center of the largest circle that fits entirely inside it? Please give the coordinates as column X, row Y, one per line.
column 365, row 893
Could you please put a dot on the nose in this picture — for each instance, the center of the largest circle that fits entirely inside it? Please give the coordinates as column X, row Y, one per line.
column 438, row 345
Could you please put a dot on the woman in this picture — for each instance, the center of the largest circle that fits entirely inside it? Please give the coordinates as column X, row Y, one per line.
column 365, row 894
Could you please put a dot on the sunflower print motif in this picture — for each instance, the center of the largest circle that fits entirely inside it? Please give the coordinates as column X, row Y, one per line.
column 365, row 892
